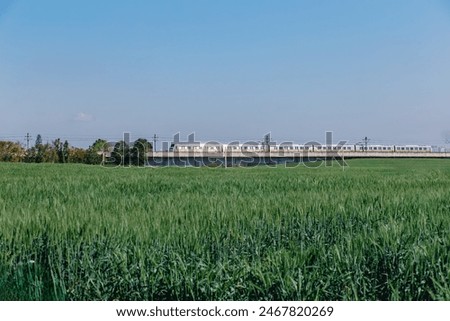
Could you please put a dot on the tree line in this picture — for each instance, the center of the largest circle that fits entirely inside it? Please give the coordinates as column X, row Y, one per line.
column 58, row 151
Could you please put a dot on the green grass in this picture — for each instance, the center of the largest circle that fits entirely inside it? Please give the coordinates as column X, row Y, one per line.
column 377, row 231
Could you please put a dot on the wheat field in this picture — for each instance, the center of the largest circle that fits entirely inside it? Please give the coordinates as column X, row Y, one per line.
column 378, row 230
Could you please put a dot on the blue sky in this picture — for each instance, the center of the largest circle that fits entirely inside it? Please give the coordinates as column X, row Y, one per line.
column 226, row 69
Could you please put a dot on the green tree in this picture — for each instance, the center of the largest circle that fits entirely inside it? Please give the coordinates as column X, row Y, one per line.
column 11, row 152
column 121, row 154
column 38, row 151
column 138, row 153
column 57, row 147
column 49, row 153
column 38, row 141
column 77, row 155
column 65, row 152
column 96, row 152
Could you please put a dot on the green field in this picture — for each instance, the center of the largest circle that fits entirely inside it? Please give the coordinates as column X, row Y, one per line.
column 377, row 231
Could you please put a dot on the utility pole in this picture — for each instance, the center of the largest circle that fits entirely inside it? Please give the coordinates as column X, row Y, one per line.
column 28, row 138
column 365, row 141
column 155, row 139
column 266, row 142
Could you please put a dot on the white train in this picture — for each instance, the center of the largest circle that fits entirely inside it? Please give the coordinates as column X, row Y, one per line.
column 290, row 147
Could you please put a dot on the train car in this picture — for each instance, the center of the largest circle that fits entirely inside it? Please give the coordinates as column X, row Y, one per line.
column 380, row 148
column 413, row 149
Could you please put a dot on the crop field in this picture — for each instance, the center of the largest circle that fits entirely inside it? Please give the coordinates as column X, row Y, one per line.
column 378, row 230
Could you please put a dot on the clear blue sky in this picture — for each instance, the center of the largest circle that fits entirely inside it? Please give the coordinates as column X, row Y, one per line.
column 226, row 69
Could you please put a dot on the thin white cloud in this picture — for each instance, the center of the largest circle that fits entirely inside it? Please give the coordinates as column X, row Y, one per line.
column 84, row 117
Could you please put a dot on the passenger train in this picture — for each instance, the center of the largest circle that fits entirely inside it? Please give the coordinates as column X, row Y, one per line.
column 290, row 147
